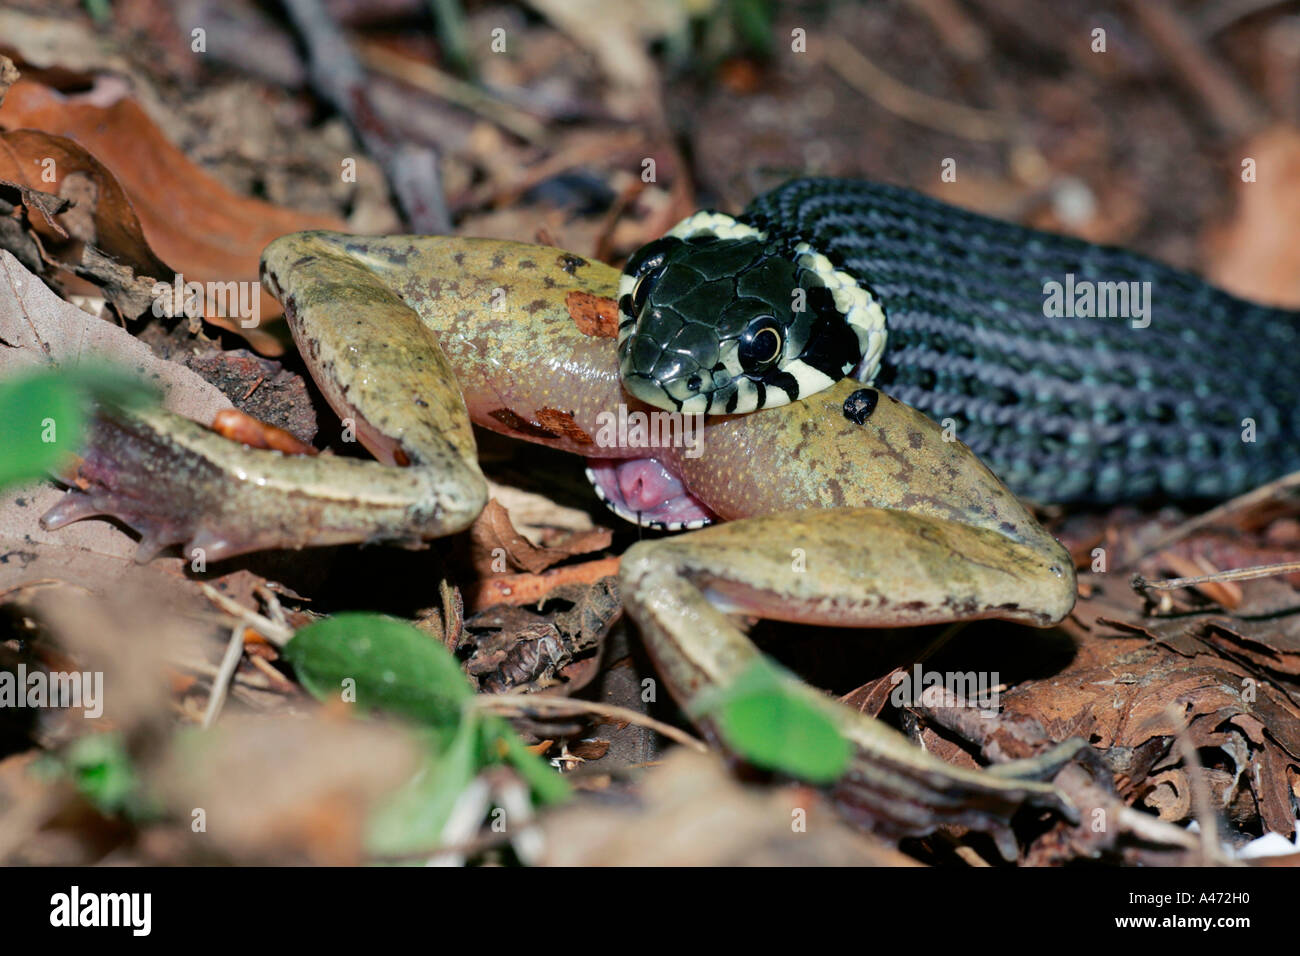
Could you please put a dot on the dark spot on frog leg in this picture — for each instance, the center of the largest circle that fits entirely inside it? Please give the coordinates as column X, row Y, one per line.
column 517, row 423
column 859, row 406
column 964, row 607
column 570, row 263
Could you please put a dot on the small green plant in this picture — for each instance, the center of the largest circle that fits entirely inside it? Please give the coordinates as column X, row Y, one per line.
column 381, row 663
column 773, row 721
column 43, row 415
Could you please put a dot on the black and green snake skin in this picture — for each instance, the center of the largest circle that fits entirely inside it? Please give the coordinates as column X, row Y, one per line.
column 1062, row 409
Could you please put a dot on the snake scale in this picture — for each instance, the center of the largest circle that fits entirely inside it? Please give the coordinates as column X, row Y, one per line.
column 1190, row 393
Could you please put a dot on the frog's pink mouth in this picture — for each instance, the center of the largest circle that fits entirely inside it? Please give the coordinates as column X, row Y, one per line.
column 643, row 491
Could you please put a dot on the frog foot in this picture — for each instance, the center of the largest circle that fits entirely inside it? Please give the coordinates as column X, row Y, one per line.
column 175, row 482
column 130, row 473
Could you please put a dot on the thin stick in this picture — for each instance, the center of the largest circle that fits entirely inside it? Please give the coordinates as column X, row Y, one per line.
column 1153, row 829
column 277, row 634
column 507, row 704
column 1196, row 778
column 1271, row 492
column 1240, row 574
column 1227, row 100
column 225, row 673
column 921, row 108
column 526, row 588
column 430, row 79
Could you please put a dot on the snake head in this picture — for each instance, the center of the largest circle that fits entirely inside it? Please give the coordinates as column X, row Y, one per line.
column 717, row 319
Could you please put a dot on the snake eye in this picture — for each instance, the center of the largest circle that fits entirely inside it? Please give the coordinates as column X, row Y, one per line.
column 760, row 344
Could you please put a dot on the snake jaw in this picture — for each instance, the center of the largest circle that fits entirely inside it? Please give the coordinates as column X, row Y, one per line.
column 690, row 391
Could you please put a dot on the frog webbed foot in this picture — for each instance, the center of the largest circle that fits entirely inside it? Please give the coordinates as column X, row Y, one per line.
column 131, row 473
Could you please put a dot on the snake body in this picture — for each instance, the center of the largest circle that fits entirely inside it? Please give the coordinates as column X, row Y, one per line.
column 986, row 327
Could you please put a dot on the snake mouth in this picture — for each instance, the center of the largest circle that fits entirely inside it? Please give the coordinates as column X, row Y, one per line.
column 677, row 383
column 644, row 492
column 673, row 383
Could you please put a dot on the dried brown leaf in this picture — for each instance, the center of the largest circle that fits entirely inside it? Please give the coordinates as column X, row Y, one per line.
column 191, row 221
column 493, row 537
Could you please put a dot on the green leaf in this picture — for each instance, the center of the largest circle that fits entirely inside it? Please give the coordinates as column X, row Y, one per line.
column 41, row 423
column 101, row 770
column 753, row 20
column 413, row 818
column 398, row 668
column 772, row 721
column 43, row 415
column 390, row 664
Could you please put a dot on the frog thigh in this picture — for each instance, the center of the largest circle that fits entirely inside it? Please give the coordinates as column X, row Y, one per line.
column 374, row 359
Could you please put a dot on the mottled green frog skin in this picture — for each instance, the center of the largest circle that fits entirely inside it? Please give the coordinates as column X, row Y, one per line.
column 834, row 519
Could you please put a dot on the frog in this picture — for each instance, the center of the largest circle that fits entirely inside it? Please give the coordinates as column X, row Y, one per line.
column 848, row 508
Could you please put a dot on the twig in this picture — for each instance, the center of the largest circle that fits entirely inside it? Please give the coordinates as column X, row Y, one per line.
column 506, row 705
column 274, row 609
column 430, row 79
column 463, row 822
column 1272, row 491
column 526, row 588
column 1196, row 778
column 1154, row 830
column 603, row 247
column 225, row 673
column 1228, row 101
column 1240, row 574
column 960, row 33
column 277, row 634
column 921, row 108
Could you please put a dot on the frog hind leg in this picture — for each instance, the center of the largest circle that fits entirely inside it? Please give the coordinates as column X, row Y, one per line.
column 852, row 567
